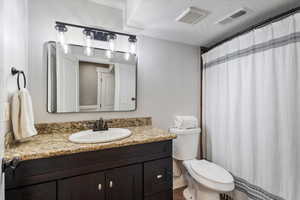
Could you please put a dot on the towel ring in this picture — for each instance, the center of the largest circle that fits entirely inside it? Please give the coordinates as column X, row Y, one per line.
column 14, row 71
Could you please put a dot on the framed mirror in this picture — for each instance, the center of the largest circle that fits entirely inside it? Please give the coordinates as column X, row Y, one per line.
column 94, row 83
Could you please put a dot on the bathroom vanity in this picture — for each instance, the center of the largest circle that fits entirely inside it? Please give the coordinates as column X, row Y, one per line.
column 138, row 167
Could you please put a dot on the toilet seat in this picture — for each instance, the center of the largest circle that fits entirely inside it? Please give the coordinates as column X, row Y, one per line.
column 211, row 171
column 210, row 175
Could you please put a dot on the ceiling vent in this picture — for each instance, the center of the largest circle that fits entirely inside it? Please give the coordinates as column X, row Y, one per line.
column 192, row 15
column 233, row 16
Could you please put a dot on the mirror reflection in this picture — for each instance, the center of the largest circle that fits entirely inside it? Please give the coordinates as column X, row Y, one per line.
column 94, row 83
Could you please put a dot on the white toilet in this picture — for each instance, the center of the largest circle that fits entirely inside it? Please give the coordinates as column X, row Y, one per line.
column 206, row 180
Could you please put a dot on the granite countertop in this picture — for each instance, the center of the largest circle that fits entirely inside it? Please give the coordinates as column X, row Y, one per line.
column 56, row 144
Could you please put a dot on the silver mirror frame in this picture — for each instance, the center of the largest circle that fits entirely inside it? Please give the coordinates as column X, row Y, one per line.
column 49, row 104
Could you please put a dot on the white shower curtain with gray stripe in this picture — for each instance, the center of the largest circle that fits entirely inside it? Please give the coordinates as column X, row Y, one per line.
column 251, row 109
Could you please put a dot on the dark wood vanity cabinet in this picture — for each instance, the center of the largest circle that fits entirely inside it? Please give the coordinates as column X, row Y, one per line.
column 136, row 172
column 120, row 183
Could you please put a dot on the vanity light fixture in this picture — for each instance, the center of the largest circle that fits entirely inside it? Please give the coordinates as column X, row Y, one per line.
column 61, row 30
column 91, row 33
column 88, row 37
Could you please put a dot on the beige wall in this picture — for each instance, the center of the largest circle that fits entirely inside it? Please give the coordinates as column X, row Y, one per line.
column 88, row 82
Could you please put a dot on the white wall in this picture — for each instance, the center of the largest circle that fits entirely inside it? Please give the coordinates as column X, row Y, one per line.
column 2, row 101
column 168, row 72
column 13, row 52
column 14, row 44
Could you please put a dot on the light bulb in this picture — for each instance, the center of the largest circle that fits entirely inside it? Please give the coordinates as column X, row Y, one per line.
column 62, row 42
column 88, row 51
column 111, row 37
column 65, row 48
column 108, row 53
column 61, row 37
column 88, row 42
column 132, row 47
column 127, row 56
column 132, row 44
column 111, row 44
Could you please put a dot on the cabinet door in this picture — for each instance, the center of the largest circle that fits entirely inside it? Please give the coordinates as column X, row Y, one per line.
column 125, row 183
column 46, row 191
column 158, row 176
column 89, row 187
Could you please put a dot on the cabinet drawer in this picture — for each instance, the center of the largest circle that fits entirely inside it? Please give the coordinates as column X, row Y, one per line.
column 45, row 191
column 157, row 176
column 167, row 195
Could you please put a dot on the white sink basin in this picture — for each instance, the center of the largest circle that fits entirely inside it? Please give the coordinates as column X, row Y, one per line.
column 91, row 136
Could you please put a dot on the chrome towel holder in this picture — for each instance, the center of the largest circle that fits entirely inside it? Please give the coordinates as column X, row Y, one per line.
column 14, row 71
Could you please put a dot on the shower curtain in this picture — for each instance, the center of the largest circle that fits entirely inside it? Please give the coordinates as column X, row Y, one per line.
column 251, row 109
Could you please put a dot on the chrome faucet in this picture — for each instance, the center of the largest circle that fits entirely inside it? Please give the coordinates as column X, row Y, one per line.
column 100, row 125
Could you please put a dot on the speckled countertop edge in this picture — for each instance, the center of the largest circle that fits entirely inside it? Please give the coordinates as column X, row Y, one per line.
column 57, row 143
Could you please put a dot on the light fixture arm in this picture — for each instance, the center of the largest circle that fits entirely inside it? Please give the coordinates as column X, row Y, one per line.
column 99, row 34
column 88, row 32
column 132, row 39
column 61, row 28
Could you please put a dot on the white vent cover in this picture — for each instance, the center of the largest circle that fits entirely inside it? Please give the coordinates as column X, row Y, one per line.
column 233, row 16
column 192, row 15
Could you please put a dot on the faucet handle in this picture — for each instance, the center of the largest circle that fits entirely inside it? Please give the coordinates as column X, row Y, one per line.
column 105, row 126
column 95, row 126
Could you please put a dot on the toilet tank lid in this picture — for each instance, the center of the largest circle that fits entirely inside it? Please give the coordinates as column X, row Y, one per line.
column 185, row 131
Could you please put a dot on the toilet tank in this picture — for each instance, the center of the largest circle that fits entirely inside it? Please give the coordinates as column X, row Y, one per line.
column 186, row 145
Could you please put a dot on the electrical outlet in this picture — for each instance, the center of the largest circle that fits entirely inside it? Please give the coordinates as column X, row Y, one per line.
column 6, row 111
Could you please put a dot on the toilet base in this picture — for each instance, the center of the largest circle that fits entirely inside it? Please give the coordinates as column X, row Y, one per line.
column 196, row 191
column 200, row 195
column 187, row 195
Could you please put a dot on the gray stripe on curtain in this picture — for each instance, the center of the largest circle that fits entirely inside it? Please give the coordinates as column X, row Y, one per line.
column 275, row 43
column 253, row 192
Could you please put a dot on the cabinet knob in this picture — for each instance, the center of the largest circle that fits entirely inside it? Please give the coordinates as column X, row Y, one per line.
column 99, row 187
column 110, row 184
column 159, row 176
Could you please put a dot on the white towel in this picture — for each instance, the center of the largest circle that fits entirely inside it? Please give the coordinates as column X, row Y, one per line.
column 185, row 122
column 22, row 115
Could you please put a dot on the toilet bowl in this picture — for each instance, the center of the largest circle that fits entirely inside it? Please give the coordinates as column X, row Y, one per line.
column 205, row 179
